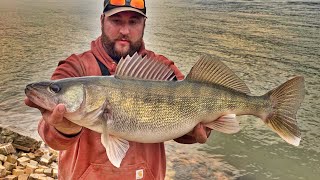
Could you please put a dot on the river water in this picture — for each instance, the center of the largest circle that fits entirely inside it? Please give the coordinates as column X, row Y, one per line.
column 264, row 42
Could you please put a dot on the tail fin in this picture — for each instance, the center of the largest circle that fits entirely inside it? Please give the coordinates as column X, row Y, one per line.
column 286, row 100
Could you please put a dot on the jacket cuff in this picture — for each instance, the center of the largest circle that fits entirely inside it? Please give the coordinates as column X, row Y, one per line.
column 186, row 139
column 54, row 138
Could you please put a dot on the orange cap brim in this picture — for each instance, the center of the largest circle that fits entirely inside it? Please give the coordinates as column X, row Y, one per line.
column 121, row 9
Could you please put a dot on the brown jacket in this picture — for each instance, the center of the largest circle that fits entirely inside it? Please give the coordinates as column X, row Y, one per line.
column 83, row 156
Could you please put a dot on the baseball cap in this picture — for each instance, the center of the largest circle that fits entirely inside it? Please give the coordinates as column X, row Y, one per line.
column 111, row 7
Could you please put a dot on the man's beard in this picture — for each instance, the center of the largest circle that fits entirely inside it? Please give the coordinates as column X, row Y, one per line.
column 109, row 46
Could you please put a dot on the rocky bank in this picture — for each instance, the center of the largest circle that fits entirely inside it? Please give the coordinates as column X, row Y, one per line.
column 24, row 158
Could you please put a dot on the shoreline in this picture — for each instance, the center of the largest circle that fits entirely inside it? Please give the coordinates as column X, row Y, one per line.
column 184, row 161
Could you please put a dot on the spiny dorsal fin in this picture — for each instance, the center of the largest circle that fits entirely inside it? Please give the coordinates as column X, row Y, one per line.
column 209, row 70
column 136, row 67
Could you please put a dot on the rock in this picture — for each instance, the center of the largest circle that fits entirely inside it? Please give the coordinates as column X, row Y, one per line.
column 42, row 167
column 55, row 173
column 23, row 177
column 2, row 171
column 23, row 161
column 18, row 140
column 31, row 155
column 23, row 154
column 11, row 177
column 48, row 172
column 38, row 153
column 54, row 165
column 7, row 148
column 33, row 163
column 23, row 148
column 30, row 169
column 9, row 166
column 23, row 164
column 39, row 171
column 3, row 158
column 12, row 158
column 19, row 167
column 8, row 173
column 37, row 176
column 46, row 159
column 17, row 172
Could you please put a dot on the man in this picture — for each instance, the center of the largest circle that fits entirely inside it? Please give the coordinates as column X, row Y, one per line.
column 82, row 156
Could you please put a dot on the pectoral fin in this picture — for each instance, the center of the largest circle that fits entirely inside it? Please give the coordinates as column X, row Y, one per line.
column 226, row 124
column 116, row 148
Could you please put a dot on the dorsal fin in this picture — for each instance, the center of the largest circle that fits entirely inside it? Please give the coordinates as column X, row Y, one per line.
column 136, row 67
column 209, row 70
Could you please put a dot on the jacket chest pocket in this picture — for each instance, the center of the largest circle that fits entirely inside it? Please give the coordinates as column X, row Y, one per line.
column 129, row 172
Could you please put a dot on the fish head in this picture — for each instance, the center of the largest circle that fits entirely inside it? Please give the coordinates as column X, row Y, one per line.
column 48, row 94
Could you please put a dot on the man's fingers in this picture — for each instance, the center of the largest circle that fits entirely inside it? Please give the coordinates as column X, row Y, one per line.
column 57, row 114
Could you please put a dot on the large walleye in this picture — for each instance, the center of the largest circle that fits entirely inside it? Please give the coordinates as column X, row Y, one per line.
column 139, row 104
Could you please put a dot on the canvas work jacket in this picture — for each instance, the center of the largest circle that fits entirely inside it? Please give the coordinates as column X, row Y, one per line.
column 83, row 156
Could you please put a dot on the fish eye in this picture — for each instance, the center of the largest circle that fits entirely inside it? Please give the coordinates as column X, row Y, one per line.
column 54, row 88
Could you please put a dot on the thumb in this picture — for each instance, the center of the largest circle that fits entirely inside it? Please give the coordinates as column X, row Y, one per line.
column 58, row 113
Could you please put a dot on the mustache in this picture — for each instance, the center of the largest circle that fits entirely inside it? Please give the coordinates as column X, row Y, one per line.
column 123, row 37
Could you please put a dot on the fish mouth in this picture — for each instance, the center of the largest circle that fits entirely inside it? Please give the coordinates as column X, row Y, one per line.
column 38, row 94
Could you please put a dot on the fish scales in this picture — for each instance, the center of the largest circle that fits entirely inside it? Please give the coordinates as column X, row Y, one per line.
column 153, row 107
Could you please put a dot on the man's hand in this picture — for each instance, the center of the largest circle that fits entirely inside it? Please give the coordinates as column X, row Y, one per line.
column 199, row 134
column 56, row 119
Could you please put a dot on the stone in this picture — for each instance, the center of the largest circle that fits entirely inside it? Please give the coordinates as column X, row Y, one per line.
column 30, row 169
column 23, row 160
column 55, row 173
column 48, row 172
column 45, row 159
column 23, row 148
column 18, row 140
column 17, row 172
column 39, row 171
column 42, row 167
column 33, row 163
column 7, row 149
column 38, row 153
column 12, row 158
column 54, row 165
column 18, row 161
column 23, row 164
column 37, row 176
column 9, row 166
column 31, row 155
column 23, row 177
column 2, row 171
column 3, row 158
column 11, row 177
column 23, row 155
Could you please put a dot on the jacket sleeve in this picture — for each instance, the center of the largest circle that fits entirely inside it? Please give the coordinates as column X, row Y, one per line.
column 54, row 138
column 71, row 67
